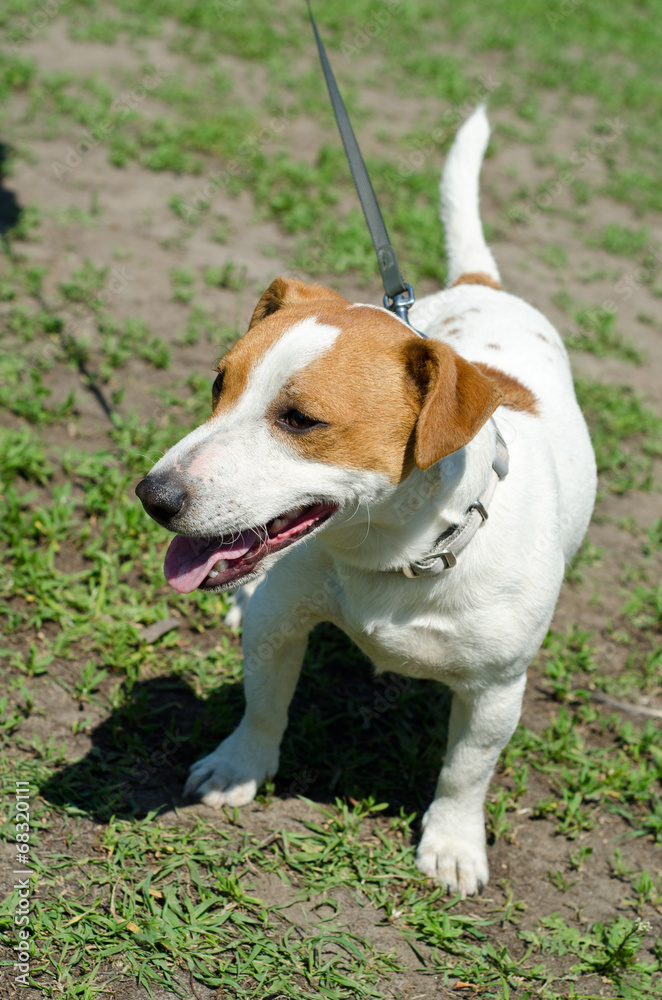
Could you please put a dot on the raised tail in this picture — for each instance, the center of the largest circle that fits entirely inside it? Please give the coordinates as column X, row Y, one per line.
column 469, row 259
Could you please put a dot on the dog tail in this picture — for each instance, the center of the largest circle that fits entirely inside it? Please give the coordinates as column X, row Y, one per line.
column 469, row 258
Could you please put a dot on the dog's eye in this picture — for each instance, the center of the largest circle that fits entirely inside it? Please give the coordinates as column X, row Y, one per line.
column 216, row 388
column 298, row 421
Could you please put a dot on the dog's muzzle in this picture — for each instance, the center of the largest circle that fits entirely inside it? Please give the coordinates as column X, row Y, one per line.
column 163, row 499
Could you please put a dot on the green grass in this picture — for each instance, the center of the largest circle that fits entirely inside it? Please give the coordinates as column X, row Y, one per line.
column 191, row 896
column 621, row 240
column 596, row 331
column 626, row 434
column 134, row 888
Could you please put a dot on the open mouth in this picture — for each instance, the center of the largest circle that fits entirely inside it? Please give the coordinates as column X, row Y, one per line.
column 209, row 563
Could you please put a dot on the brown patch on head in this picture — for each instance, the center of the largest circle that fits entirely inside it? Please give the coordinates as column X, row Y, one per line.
column 477, row 278
column 389, row 400
column 383, row 399
column 358, row 391
column 515, row 395
column 285, row 301
column 284, row 292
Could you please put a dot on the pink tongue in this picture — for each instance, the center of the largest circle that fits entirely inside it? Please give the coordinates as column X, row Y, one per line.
column 188, row 560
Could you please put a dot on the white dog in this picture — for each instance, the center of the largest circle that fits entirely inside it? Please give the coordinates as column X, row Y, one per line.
column 335, row 423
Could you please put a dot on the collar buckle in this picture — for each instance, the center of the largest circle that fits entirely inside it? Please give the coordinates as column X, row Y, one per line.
column 477, row 505
column 455, row 538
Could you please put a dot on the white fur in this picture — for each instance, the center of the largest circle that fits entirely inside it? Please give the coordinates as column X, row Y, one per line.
column 475, row 627
column 466, row 250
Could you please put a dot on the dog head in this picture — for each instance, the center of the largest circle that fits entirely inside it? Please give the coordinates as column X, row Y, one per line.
column 323, row 405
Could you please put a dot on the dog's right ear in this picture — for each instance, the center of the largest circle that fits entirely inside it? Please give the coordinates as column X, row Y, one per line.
column 285, row 292
column 454, row 399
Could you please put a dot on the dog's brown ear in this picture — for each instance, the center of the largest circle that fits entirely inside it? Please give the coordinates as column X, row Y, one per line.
column 288, row 292
column 455, row 399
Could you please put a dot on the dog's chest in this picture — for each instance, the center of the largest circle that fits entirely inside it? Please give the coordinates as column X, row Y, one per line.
column 403, row 635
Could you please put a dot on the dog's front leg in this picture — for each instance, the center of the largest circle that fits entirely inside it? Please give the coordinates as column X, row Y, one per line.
column 232, row 774
column 452, row 848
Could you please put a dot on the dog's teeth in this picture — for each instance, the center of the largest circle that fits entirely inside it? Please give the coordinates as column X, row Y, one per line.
column 281, row 522
column 213, row 574
column 219, row 567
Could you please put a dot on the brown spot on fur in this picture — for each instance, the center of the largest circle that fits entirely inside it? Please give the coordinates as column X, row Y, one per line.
column 543, row 337
column 390, row 401
column 515, row 395
column 495, row 347
column 359, row 389
column 449, row 319
column 454, row 332
column 477, row 278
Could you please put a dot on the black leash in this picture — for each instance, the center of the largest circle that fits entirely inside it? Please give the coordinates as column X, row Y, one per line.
column 398, row 295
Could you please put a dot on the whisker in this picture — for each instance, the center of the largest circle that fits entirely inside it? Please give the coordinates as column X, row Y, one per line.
column 367, row 529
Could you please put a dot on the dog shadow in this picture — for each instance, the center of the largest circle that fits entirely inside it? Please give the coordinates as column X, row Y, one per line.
column 351, row 735
column 10, row 210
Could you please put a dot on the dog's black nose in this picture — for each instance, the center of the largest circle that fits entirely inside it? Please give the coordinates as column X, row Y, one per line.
column 161, row 499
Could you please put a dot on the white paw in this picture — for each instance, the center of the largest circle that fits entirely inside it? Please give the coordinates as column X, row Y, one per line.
column 457, row 859
column 232, row 774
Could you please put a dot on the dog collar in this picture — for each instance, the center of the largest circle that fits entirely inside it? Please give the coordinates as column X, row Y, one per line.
column 450, row 543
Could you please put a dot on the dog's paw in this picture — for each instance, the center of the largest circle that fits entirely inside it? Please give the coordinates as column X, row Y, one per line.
column 456, row 860
column 232, row 774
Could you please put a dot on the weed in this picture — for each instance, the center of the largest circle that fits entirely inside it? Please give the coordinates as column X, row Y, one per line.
column 596, row 331
column 625, row 434
column 182, row 284
column 158, row 898
column 621, row 240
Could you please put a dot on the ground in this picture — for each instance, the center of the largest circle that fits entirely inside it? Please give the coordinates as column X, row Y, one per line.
column 162, row 163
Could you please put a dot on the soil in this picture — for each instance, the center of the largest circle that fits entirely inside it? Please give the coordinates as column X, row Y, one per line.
column 134, row 216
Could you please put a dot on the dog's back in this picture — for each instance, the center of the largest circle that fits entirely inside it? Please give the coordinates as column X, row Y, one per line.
column 506, row 337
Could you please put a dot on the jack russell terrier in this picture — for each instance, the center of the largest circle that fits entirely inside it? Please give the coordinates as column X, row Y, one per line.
column 424, row 495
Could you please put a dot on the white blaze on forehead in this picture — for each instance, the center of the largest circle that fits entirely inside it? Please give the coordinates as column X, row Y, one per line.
column 221, row 442
column 303, row 343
